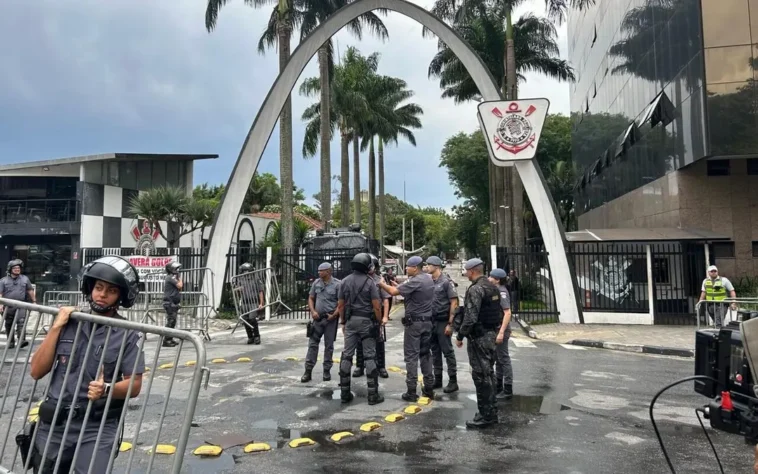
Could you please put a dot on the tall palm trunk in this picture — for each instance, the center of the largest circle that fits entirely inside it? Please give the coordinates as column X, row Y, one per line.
column 326, row 136
column 382, row 209
column 285, row 144
column 344, row 176
column 515, row 216
column 371, row 190
column 356, row 181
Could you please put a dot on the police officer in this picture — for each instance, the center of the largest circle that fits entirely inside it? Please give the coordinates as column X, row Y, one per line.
column 252, row 299
column 503, row 367
column 380, row 359
column 108, row 283
column 15, row 286
column 172, row 286
column 482, row 319
column 445, row 302
column 358, row 307
column 322, row 301
column 418, row 296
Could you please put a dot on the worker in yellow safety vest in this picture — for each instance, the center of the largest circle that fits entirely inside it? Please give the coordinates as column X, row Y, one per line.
column 713, row 291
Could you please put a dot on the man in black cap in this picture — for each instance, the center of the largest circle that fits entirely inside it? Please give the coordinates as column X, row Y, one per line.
column 322, row 301
column 482, row 317
column 418, row 297
column 445, row 302
column 358, row 308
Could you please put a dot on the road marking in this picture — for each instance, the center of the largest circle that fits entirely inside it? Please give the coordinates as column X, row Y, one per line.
column 257, row 447
column 412, row 409
column 296, row 443
column 394, row 417
column 207, row 450
column 573, row 347
column 337, row 437
column 370, row 426
column 523, row 343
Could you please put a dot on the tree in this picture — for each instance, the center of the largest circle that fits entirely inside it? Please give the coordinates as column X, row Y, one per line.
column 465, row 13
column 274, row 239
column 284, row 18
column 183, row 214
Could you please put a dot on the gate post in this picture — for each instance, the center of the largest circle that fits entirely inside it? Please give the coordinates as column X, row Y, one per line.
column 650, row 283
column 268, row 282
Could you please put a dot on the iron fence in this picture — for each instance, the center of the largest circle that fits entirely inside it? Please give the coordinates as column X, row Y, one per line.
column 531, row 284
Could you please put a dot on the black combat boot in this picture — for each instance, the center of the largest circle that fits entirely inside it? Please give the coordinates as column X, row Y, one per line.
column 452, row 384
column 507, row 392
column 410, row 395
column 374, row 397
column 428, row 392
column 21, row 335
column 327, row 376
column 169, row 342
column 438, row 380
column 383, row 373
column 498, row 387
column 257, row 340
column 345, row 394
column 306, row 376
column 358, row 372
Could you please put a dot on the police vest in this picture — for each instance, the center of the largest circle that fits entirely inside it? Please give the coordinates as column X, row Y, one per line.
column 714, row 290
column 490, row 314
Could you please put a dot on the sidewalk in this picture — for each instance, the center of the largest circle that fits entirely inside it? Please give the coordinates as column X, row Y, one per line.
column 666, row 340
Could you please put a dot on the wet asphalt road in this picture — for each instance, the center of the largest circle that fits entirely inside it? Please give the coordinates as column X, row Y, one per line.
column 576, row 410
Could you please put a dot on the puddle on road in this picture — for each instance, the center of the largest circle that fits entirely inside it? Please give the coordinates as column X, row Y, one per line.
column 373, row 442
column 331, row 395
column 528, row 404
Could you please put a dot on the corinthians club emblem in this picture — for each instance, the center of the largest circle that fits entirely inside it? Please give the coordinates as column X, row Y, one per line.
column 514, row 132
column 145, row 238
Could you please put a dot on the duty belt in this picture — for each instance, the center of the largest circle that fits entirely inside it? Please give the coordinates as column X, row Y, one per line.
column 442, row 316
column 362, row 315
column 416, row 318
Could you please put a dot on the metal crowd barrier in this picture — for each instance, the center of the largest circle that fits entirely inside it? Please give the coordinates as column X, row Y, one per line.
column 83, row 433
column 730, row 309
column 247, row 289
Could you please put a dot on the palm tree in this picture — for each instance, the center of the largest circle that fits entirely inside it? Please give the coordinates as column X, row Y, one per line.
column 284, row 18
column 462, row 13
column 348, row 106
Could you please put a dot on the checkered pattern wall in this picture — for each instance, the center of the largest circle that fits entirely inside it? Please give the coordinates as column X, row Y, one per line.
column 107, row 222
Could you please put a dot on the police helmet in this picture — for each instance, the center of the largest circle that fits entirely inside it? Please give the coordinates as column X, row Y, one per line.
column 374, row 261
column 362, row 263
column 14, row 263
column 246, row 268
column 173, row 267
column 116, row 271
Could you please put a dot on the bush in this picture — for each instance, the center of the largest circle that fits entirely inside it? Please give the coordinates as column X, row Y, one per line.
column 530, row 290
column 746, row 287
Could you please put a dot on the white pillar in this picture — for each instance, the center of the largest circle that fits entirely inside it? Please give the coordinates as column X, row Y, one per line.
column 493, row 256
column 269, row 255
column 650, row 284
column 707, row 257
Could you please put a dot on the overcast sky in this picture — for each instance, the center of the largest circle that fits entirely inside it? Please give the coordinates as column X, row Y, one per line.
column 82, row 77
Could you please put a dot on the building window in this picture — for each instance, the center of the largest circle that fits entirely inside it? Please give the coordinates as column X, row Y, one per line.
column 723, row 249
column 718, row 167
column 752, row 166
column 755, row 248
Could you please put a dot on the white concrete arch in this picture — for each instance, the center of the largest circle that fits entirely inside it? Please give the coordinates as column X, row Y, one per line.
column 263, row 126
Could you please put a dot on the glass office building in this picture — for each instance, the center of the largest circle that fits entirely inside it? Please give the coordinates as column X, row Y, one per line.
column 665, row 118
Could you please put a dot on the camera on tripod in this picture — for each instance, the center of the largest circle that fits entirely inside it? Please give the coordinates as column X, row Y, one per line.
column 725, row 355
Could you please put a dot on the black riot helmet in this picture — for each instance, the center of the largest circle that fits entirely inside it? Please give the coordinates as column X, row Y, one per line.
column 116, row 271
column 172, row 268
column 14, row 263
column 246, row 268
column 362, row 263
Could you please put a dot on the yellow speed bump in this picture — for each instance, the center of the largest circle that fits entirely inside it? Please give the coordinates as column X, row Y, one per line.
column 394, row 369
column 421, row 378
column 147, row 369
column 257, row 447
column 300, row 442
column 125, row 447
column 34, row 411
column 370, row 426
column 33, row 418
column 394, row 417
column 169, row 365
column 412, row 409
column 207, row 450
column 218, row 361
column 336, row 361
column 424, row 401
column 244, row 359
column 163, row 449
column 337, row 437
column 190, row 363
column 292, row 359
column 268, row 359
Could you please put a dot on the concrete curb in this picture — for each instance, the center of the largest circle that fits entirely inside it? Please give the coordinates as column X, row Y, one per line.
column 526, row 328
column 639, row 348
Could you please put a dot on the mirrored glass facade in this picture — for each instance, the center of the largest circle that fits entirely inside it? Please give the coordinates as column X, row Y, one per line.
column 660, row 84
